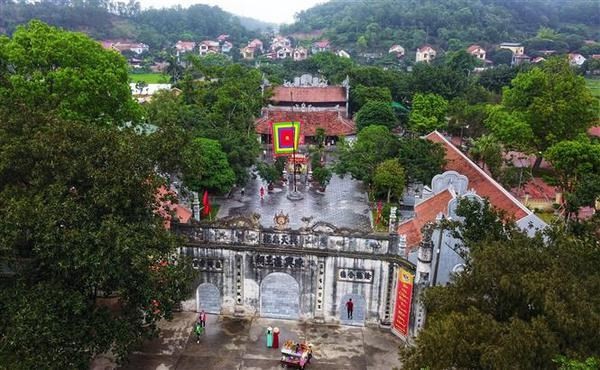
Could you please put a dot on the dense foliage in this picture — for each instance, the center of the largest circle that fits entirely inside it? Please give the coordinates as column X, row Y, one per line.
column 126, row 20
column 520, row 303
column 449, row 24
column 87, row 263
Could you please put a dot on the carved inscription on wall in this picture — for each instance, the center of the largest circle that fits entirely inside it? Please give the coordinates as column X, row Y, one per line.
column 208, row 264
column 277, row 261
column 355, row 275
column 280, row 239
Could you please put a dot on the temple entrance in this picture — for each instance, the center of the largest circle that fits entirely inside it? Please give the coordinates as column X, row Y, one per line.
column 280, row 296
column 358, row 314
column 208, row 298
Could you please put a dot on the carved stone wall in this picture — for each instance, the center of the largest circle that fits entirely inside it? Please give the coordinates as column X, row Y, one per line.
column 296, row 274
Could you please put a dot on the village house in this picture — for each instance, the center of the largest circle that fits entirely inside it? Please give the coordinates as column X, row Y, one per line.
column 134, row 47
column 321, row 46
column 518, row 59
column 248, row 53
column 300, row 53
column 398, row 50
column 209, row 47
column 477, row 51
column 310, row 101
column 182, row 47
column 256, row 44
column 280, row 42
column 222, row 38
column 576, row 59
column 538, row 60
column 226, row 47
column 515, row 47
column 284, row 53
column 343, row 54
column 144, row 92
column 425, row 53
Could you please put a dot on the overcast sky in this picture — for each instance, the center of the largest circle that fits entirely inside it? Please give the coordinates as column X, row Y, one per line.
column 276, row 11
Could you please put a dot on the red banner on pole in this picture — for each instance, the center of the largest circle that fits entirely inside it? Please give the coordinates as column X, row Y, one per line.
column 404, row 291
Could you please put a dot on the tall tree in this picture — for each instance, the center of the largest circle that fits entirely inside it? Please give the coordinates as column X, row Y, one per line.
column 389, row 177
column 81, row 222
column 374, row 144
column 206, row 167
column 67, row 73
column 552, row 101
column 421, row 159
column 577, row 164
column 375, row 112
column 428, row 113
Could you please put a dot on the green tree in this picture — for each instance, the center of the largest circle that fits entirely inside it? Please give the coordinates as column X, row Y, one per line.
column 389, row 177
column 488, row 151
column 268, row 172
column 206, row 167
column 552, row 101
column 67, row 73
column 577, row 164
column 81, row 222
column 360, row 95
column 421, row 159
column 322, row 175
column 374, row 144
column 428, row 113
column 516, row 292
column 375, row 112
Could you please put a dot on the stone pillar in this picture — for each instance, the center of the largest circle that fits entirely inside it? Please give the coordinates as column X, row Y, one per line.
column 196, row 206
column 392, row 227
column 319, row 312
column 238, row 277
column 386, row 319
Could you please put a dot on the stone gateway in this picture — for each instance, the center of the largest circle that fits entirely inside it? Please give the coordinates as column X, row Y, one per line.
column 306, row 274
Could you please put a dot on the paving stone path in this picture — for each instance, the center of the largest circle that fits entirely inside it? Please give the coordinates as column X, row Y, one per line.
column 343, row 204
column 236, row 343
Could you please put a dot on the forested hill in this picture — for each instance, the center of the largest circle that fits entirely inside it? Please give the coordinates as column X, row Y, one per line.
column 106, row 19
column 449, row 24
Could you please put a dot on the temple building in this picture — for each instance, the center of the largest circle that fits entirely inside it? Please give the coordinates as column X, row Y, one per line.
column 312, row 102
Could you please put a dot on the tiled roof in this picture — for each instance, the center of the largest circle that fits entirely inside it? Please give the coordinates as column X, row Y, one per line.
column 594, row 131
column 329, row 94
column 322, row 44
column 482, row 183
column 473, row 48
column 185, row 45
column 536, row 188
column 425, row 48
column 425, row 212
column 331, row 120
column 167, row 207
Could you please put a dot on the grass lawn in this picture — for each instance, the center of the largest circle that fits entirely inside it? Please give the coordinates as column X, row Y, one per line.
column 594, row 86
column 149, row 78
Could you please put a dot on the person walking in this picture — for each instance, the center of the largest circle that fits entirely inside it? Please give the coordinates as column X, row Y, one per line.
column 349, row 308
column 198, row 329
column 262, row 193
column 243, row 191
column 202, row 319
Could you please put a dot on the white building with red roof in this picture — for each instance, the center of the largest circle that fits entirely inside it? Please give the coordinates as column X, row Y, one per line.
column 576, row 59
column 321, row 46
column 209, row 47
column 477, row 51
column 462, row 178
column 425, row 53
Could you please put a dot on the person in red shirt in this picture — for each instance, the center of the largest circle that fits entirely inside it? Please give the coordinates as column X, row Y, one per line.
column 349, row 308
column 202, row 319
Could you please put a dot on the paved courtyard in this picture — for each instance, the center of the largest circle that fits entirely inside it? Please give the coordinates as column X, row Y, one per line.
column 343, row 204
column 232, row 343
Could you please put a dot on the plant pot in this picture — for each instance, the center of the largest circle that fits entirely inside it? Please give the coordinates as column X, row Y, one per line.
column 270, row 187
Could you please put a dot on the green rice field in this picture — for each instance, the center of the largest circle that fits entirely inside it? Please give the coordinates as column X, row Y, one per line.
column 149, row 78
column 594, row 85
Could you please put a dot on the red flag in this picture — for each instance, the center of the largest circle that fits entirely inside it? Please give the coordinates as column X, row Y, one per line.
column 205, row 204
column 379, row 208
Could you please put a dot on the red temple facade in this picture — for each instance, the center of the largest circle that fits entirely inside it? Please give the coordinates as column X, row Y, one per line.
column 310, row 101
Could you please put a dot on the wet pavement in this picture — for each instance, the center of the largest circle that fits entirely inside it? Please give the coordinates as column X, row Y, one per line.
column 239, row 343
column 343, row 204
